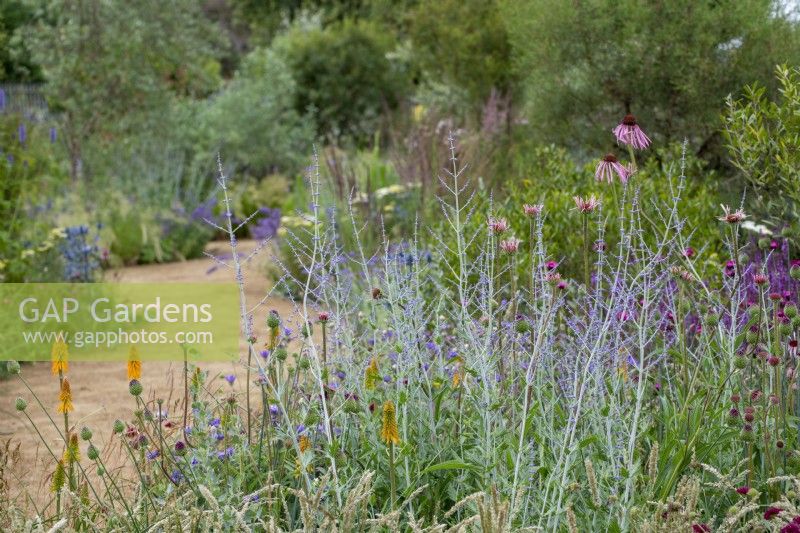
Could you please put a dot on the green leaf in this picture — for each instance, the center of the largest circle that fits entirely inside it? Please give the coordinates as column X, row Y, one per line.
column 449, row 465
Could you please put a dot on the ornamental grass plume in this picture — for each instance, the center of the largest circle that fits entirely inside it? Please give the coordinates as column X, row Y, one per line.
column 65, row 398
column 628, row 132
column 59, row 355
column 134, row 364
column 608, row 166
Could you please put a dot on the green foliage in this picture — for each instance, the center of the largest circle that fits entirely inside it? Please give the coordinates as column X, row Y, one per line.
column 344, row 76
column 463, row 44
column 113, row 66
column 763, row 139
column 148, row 236
column 670, row 63
column 29, row 173
column 15, row 61
column 253, row 122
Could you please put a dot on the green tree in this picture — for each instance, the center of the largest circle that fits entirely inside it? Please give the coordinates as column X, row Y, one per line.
column 15, row 62
column 344, row 76
column 671, row 63
column 763, row 139
column 463, row 43
column 111, row 65
column 253, row 122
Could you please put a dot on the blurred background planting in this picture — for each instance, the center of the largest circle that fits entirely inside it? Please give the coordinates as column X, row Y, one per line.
column 112, row 113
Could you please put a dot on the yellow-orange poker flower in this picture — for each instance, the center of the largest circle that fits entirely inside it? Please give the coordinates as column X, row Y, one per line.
column 372, row 374
column 389, row 433
column 134, row 364
column 304, row 443
column 59, row 355
column 65, row 398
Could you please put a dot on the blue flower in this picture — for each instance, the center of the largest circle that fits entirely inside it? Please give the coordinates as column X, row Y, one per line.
column 230, row 378
column 214, row 422
column 176, row 476
column 152, row 455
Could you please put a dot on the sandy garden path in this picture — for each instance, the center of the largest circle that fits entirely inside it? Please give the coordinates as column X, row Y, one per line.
column 100, row 390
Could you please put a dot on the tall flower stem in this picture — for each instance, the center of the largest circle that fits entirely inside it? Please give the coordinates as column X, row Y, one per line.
column 586, row 271
column 392, row 482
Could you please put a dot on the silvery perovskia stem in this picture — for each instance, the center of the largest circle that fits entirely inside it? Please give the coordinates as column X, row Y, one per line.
column 236, row 264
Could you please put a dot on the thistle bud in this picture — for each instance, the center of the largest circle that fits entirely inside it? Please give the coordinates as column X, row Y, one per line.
column 712, row 320
column 280, row 354
column 13, row 368
column 794, row 272
column 21, row 404
column 740, row 363
column 135, row 388
column 86, row 433
column 790, row 310
column 92, row 453
column 273, row 320
column 119, row 426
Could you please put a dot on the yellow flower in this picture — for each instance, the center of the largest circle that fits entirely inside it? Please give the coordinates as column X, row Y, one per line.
column 389, row 433
column 304, row 443
column 458, row 376
column 372, row 374
column 418, row 112
column 65, row 397
column 27, row 253
column 134, row 364
column 72, row 453
column 59, row 355
column 59, row 477
column 623, row 371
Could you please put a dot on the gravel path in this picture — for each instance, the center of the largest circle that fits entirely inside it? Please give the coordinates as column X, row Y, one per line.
column 100, row 390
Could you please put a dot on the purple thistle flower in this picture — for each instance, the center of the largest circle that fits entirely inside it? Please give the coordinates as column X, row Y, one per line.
column 22, row 133
column 628, row 132
column 152, row 455
column 607, row 167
